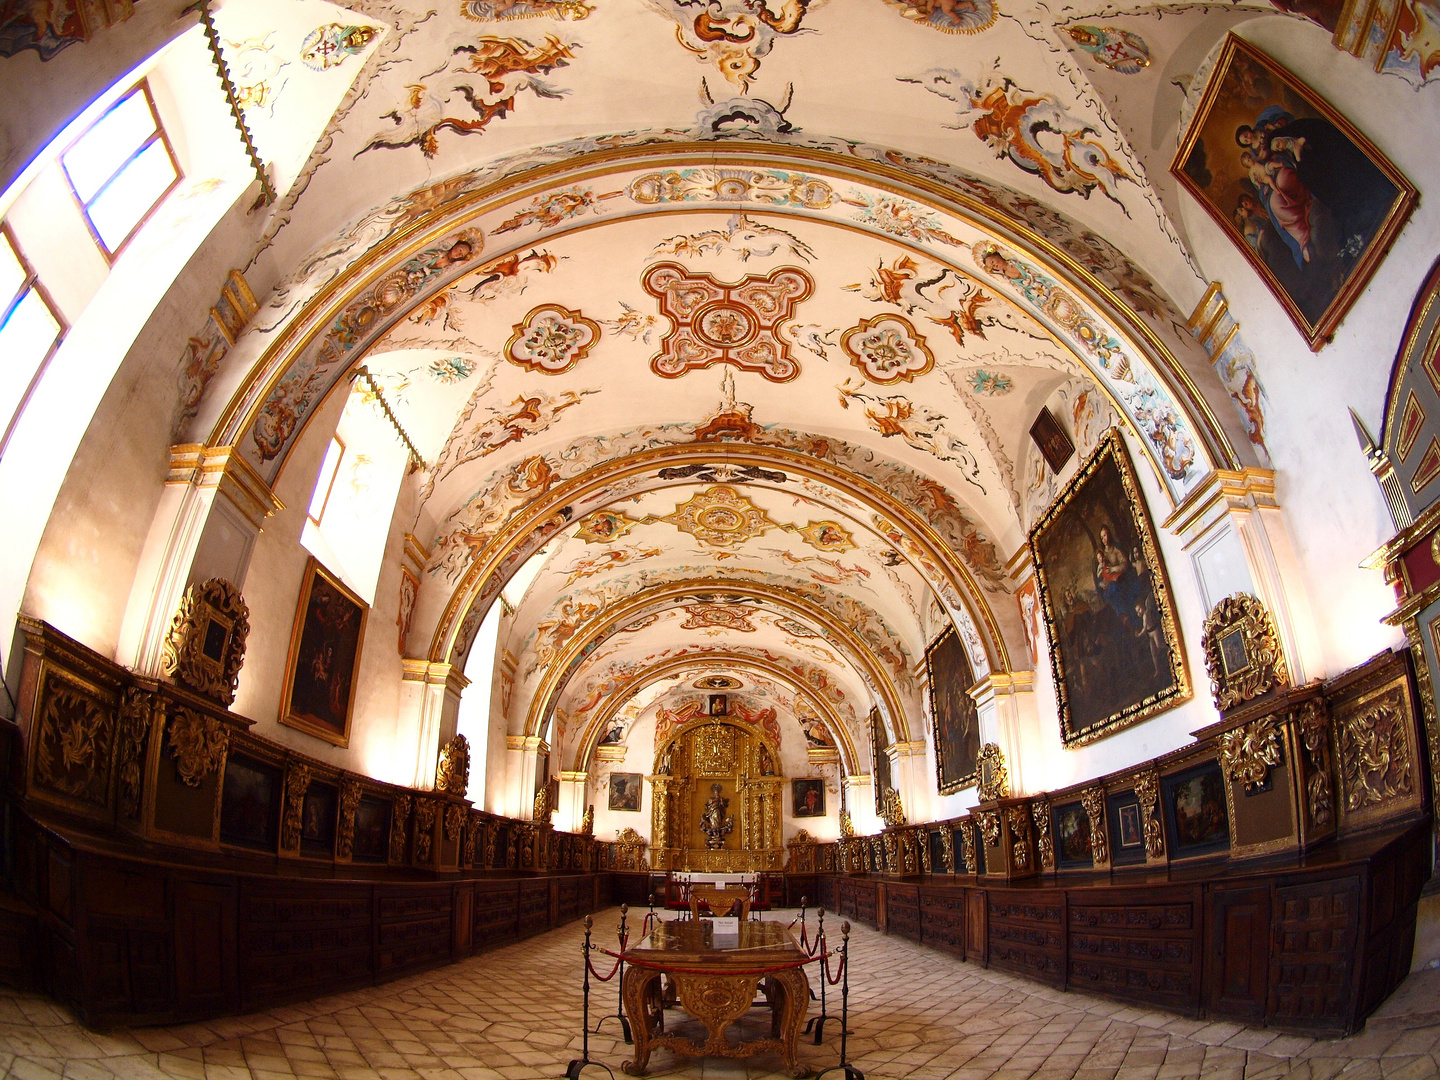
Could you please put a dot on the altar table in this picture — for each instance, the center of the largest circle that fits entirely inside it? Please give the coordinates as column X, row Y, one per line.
column 715, row 977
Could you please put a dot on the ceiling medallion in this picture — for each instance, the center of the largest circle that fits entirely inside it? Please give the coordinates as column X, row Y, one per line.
column 726, row 616
column 716, row 682
column 603, row 526
column 716, row 323
column 827, row 536
column 887, row 349
column 551, row 339
column 720, row 516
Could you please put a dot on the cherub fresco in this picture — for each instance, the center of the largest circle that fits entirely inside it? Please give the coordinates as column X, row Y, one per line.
column 950, row 16
column 1033, row 130
column 734, row 35
column 916, row 425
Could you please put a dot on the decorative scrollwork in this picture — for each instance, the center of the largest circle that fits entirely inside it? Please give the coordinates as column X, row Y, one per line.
column 587, row 823
column 925, row 857
column 199, row 744
column 399, row 826
column 1242, row 651
column 967, row 846
column 1093, row 799
column 893, row 812
column 137, row 707
column 349, row 803
column 847, row 826
column 1147, row 790
column 424, row 829
column 947, row 847
column 1019, row 820
column 1248, row 753
column 454, row 821
column 1040, row 809
column 994, row 779
column 543, row 809
column 989, row 828
column 1314, row 724
column 205, row 645
column 1375, row 753
column 474, row 825
column 297, row 782
column 75, row 728
column 452, row 773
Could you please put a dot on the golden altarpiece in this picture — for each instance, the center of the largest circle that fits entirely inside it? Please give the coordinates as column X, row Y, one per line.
column 744, row 826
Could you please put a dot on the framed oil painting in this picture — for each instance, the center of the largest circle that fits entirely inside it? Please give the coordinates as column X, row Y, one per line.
column 1307, row 198
column 807, row 797
column 1195, row 811
column 324, row 657
column 317, row 819
column 372, row 830
column 1127, row 828
column 625, row 791
column 1072, row 837
column 957, row 721
column 879, row 742
column 250, row 803
column 1050, row 437
column 1114, row 650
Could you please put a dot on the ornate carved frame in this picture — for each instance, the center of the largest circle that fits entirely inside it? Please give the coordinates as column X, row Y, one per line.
column 193, row 655
column 1242, row 621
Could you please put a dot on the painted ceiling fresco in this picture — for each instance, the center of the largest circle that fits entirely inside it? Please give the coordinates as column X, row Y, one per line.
column 786, row 330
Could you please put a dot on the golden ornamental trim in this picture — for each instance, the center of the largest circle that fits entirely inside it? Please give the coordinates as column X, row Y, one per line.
column 297, row 782
column 994, row 778
column 349, row 803
column 893, row 811
column 1314, row 724
column 1147, row 790
column 1242, row 651
column 137, row 709
column 1247, row 754
column 1019, row 821
column 801, row 839
column 399, row 825
column 1040, row 810
column 205, row 646
column 452, row 771
column 198, row 743
column 1093, row 799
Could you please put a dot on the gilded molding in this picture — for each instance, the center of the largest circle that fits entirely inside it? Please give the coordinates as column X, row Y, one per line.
column 198, row 743
column 224, row 468
column 75, row 731
column 1242, row 651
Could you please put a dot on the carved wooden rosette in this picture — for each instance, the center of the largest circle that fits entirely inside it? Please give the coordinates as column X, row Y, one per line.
column 1248, row 753
column 452, row 772
column 1147, row 790
column 1242, row 651
column 297, row 782
column 1044, row 842
column 198, row 743
column 1018, row 818
column 205, row 645
column 132, row 736
column 399, row 827
column 994, row 779
column 1093, row 799
column 345, row 829
column 424, row 831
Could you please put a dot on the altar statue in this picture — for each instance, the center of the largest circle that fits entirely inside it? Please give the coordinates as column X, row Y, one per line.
column 715, row 823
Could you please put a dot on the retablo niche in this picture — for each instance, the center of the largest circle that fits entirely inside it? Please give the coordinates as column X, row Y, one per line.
column 206, row 644
column 1242, row 651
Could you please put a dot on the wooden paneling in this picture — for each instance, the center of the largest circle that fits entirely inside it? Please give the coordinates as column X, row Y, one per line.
column 1140, row 945
column 902, row 907
column 1239, row 942
column 1314, row 948
column 942, row 920
column 1027, row 933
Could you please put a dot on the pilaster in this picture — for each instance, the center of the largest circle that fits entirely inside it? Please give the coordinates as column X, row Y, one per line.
column 430, row 692
column 1010, row 718
column 571, row 809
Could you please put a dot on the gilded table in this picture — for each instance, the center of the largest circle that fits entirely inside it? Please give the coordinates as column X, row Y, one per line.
column 715, row 977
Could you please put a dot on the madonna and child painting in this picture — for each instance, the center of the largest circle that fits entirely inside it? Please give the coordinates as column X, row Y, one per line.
column 1307, row 198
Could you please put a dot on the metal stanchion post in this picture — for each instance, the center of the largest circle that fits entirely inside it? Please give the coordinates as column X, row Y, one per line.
column 850, row 1071
column 619, row 1013
column 578, row 1065
column 817, row 1023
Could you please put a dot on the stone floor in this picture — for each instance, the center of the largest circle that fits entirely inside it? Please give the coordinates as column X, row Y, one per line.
column 515, row 1013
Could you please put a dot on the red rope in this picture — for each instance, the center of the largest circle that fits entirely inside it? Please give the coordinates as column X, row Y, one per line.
column 839, row 968
column 603, row 978
column 650, row 965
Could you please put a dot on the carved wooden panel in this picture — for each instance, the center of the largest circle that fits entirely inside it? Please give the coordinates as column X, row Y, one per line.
column 205, row 974
column 942, row 920
column 283, row 927
column 534, row 907
column 1027, row 934
column 1314, row 946
column 412, row 929
column 1239, row 941
column 73, row 743
column 902, row 910
column 1143, row 946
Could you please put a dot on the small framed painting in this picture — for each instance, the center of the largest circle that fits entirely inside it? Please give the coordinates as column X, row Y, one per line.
column 1195, row 811
column 807, row 797
column 1072, row 837
column 625, row 791
column 1050, row 437
column 324, row 657
column 372, row 830
column 1309, row 201
column 317, row 819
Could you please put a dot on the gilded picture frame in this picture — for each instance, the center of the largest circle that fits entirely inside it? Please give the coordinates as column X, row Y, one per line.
column 324, row 660
column 1115, row 650
column 1242, row 651
column 1308, row 200
column 949, row 677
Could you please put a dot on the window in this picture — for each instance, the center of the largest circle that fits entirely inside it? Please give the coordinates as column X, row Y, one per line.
column 328, row 468
column 29, row 330
column 120, row 169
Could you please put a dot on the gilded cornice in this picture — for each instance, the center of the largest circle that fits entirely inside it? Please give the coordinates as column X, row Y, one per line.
column 222, row 468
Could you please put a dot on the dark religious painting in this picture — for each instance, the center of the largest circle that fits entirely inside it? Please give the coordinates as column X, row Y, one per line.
column 1195, row 811
column 1050, row 437
column 878, row 743
column 1072, row 837
column 250, row 803
column 1307, row 198
column 957, row 721
column 324, row 657
column 717, row 704
column 317, row 819
column 372, row 830
column 625, row 791
column 807, row 797
column 1127, row 828
column 1114, row 650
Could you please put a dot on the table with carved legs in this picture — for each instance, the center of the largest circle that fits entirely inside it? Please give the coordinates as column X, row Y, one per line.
column 714, row 978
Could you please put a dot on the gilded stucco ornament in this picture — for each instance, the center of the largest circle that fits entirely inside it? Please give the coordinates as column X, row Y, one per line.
column 551, row 339
column 1314, row 724
column 452, row 772
column 1147, row 790
column 349, row 803
column 297, row 782
column 1040, row 809
column 1093, row 799
column 198, row 743
column 994, row 779
column 1249, row 753
column 1242, row 651
column 205, row 645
